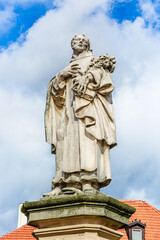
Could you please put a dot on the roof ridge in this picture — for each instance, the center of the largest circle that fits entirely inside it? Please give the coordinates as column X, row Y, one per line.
column 155, row 209
column 148, row 204
column 131, row 200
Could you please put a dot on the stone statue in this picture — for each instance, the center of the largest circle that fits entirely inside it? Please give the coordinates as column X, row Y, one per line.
column 79, row 121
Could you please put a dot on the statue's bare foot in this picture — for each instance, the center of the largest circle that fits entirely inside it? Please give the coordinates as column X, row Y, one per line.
column 55, row 192
column 88, row 188
column 70, row 190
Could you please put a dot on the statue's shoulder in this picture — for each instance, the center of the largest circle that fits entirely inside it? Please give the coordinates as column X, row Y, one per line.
column 50, row 84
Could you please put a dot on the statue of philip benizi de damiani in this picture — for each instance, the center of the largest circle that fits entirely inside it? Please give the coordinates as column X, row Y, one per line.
column 79, row 121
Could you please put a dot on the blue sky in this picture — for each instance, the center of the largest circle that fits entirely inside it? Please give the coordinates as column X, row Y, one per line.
column 24, row 16
column 26, row 13
column 23, row 19
column 35, row 40
column 127, row 10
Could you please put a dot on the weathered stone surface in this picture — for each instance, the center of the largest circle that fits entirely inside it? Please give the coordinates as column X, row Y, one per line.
column 79, row 232
column 49, row 212
column 79, row 120
column 78, row 216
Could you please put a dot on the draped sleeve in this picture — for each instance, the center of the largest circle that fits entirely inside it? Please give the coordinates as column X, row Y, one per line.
column 54, row 104
column 95, row 107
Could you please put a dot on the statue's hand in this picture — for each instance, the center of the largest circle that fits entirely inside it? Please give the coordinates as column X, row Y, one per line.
column 80, row 84
column 65, row 74
column 72, row 72
column 76, row 70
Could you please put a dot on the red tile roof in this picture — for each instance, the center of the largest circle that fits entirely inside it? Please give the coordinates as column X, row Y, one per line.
column 147, row 214
column 22, row 233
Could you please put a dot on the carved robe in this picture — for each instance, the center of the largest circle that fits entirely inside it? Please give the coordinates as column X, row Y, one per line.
column 81, row 129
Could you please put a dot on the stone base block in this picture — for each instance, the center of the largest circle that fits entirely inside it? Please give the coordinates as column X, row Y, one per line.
column 78, row 232
column 79, row 216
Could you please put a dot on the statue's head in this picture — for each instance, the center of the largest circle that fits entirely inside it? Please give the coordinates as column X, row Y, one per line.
column 80, row 43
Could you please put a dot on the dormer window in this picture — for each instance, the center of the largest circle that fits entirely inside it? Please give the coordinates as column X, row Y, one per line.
column 136, row 230
column 136, row 234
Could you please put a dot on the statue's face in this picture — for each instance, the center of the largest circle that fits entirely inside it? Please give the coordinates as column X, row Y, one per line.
column 79, row 44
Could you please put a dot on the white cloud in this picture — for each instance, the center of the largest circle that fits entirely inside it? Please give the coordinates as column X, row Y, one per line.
column 8, row 16
column 22, row 148
column 45, row 44
column 136, row 195
column 7, row 19
column 7, row 218
column 25, row 72
column 21, row 2
column 149, row 11
column 141, row 195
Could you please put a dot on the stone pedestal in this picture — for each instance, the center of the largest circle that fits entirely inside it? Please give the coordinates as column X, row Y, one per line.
column 79, row 216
